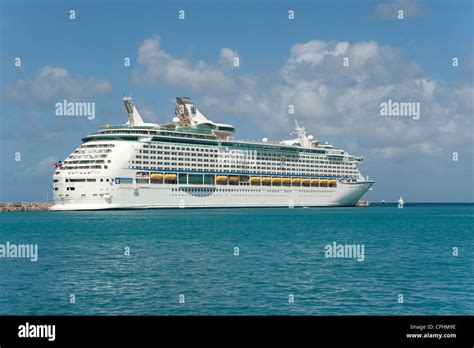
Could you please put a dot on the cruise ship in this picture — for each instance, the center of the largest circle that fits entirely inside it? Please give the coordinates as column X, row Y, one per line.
column 192, row 162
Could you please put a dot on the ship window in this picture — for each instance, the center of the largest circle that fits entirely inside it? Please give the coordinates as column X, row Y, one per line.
column 195, row 179
column 183, row 178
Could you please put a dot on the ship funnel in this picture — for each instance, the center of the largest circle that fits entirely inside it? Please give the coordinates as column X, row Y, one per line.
column 188, row 113
column 134, row 117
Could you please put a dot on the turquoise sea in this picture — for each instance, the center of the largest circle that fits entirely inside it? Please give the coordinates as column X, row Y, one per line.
column 281, row 252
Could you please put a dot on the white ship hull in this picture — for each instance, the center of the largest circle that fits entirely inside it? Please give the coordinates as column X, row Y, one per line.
column 186, row 196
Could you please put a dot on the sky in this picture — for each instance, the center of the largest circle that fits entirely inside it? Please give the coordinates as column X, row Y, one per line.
column 335, row 62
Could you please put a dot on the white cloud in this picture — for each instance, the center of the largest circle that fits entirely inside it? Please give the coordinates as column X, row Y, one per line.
column 334, row 100
column 423, row 148
column 387, row 151
column 52, row 82
column 158, row 65
column 227, row 56
column 329, row 99
column 311, row 52
column 428, row 86
column 362, row 51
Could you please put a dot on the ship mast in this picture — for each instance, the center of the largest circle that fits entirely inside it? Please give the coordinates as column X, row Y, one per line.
column 302, row 138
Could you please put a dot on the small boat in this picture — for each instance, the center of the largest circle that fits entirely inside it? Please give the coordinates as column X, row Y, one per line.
column 276, row 181
column 401, row 202
column 233, row 179
column 296, row 181
column 221, row 178
column 170, row 178
column 255, row 180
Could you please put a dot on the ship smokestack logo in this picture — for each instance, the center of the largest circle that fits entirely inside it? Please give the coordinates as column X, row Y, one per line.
column 67, row 108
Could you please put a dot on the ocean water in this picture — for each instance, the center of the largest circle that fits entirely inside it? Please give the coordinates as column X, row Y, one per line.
column 407, row 251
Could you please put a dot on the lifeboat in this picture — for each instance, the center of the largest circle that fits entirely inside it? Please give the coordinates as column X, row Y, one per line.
column 170, row 177
column 323, row 182
column 315, row 182
column 221, row 178
column 306, row 182
column 233, row 179
column 266, row 181
column 255, row 180
column 332, row 182
column 276, row 181
column 286, row 181
column 296, row 181
column 156, row 176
